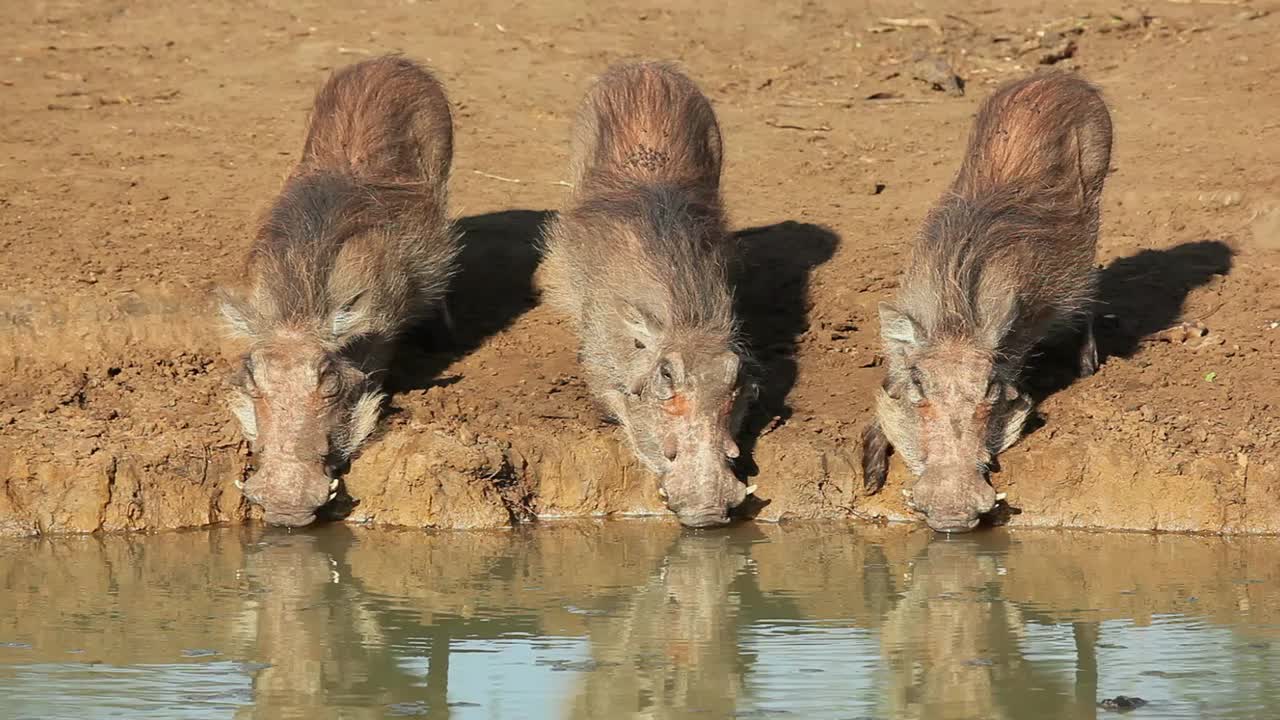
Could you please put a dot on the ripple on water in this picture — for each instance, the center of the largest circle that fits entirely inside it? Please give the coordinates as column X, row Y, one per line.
column 809, row 670
column 55, row 690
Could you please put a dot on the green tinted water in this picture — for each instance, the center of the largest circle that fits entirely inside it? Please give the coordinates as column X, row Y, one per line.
column 637, row 619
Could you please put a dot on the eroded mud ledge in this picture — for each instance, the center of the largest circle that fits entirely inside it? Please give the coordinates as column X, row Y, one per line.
column 431, row 476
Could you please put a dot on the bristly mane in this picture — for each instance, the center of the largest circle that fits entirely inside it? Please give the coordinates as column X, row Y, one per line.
column 357, row 242
column 1010, row 248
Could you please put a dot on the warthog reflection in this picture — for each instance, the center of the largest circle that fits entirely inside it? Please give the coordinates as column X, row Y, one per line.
column 660, row 623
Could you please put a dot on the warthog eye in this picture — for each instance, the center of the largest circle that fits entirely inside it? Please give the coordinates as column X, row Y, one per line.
column 245, row 380
column 915, row 391
column 666, row 373
column 999, row 391
column 330, row 382
column 639, row 345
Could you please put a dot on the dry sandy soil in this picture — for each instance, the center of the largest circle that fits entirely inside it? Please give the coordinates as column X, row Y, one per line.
column 139, row 141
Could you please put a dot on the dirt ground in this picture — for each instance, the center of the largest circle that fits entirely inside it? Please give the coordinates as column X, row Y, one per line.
column 139, row 141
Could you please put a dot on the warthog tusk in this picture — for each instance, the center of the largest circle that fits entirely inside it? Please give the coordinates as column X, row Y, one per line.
column 334, row 485
column 751, row 489
column 663, row 493
column 239, row 484
column 1000, row 496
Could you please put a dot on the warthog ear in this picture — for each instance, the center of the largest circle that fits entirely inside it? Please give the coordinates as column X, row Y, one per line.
column 998, row 315
column 732, row 366
column 348, row 321
column 875, row 457
column 898, row 329
column 236, row 316
column 364, row 419
column 645, row 329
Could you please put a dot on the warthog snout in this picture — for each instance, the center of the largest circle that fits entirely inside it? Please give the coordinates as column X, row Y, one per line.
column 706, row 501
column 698, row 481
column 290, row 493
column 706, row 518
column 952, row 501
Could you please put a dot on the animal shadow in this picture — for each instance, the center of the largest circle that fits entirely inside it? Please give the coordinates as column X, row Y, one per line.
column 772, row 298
column 1138, row 296
column 493, row 287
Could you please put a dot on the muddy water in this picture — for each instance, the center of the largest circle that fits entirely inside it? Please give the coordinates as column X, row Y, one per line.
column 626, row 619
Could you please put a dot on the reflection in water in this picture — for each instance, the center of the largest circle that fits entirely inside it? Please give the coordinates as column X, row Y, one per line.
column 670, row 651
column 952, row 644
column 637, row 619
column 319, row 640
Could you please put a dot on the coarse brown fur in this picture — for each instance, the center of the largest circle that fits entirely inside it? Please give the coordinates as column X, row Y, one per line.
column 639, row 262
column 356, row 247
column 1004, row 260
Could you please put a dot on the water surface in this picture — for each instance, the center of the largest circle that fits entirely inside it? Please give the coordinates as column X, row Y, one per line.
column 637, row 619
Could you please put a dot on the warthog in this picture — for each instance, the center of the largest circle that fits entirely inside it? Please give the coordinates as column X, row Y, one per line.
column 1004, row 261
column 355, row 248
column 639, row 262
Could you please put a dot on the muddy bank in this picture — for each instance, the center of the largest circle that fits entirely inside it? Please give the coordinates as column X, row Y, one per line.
column 141, row 143
column 145, row 445
column 430, row 478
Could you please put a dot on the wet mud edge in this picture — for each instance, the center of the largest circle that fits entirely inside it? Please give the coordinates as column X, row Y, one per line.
column 450, row 475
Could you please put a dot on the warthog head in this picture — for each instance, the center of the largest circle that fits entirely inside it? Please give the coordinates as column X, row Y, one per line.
column 948, row 406
column 305, row 405
column 682, row 409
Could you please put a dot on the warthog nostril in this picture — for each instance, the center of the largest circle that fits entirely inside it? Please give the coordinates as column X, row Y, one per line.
column 290, row 494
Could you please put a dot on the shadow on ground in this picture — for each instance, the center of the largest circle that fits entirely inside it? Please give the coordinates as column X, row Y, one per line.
column 1138, row 296
column 493, row 287
column 772, row 292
